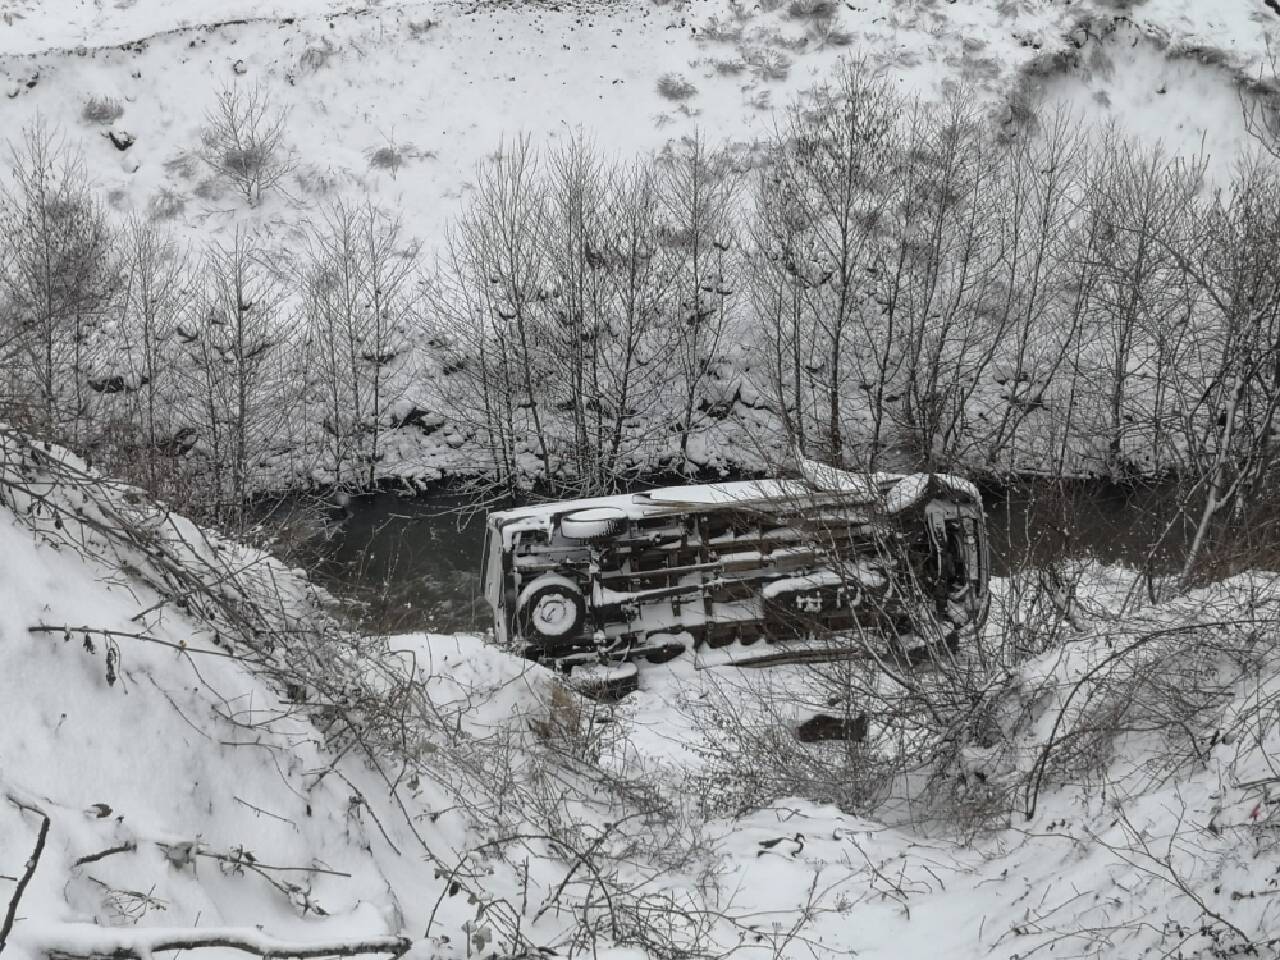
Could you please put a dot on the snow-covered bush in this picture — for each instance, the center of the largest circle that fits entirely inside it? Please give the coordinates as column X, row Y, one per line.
column 102, row 110
column 675, row 86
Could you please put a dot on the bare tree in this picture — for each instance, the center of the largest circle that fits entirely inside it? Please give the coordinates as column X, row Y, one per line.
column 819, row 209
column 571, row 333
column 243, row 389
column 935, row 275
column 488, row 318
column 155, row 300
column 634, row 347
column 1231, row 418
column 359, row 299
column 59, row 280
column 699, row 193
column 244, row 140
column 1044, row 291
column 1139, row 198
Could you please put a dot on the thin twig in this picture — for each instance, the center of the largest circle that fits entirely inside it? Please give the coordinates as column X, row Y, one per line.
column 265, row 813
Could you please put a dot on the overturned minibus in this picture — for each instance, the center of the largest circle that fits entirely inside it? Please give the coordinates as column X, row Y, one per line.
column 649, row 575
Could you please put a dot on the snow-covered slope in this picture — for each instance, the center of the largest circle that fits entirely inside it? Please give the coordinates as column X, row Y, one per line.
column 441, row 84
column 177, row 781
column 1134, row 789
column 1123, row 800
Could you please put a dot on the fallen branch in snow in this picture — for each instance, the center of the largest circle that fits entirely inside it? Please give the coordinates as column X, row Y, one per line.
column 240, row 860
column 128, row 847
column 12, row 913
column 89, row 940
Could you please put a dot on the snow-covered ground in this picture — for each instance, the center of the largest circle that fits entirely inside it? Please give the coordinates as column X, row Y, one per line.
column 445, row 83
column 1163, row 842
column 187, row 794
column 186, row 789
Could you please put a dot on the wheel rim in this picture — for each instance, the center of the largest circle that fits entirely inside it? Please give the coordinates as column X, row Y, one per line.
column 554, row 614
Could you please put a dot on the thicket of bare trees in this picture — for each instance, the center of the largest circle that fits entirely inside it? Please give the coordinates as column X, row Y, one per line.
column 897, row 286
column 360, row 300
column 1059, row 302
column 581, row 307
column 206, row 376
column 58, row 277
column 919, row 292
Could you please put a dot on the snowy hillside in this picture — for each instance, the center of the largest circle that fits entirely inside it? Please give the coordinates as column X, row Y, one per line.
column 175, row 782
column 405, row 99
column 167, row 782
column 401, row 104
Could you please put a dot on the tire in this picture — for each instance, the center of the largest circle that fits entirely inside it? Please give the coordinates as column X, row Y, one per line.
column 605, row 683
column 664, row 654
column 551, row 609
column 597, row 523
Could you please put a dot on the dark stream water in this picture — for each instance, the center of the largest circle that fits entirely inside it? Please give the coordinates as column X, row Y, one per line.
column 415, row 560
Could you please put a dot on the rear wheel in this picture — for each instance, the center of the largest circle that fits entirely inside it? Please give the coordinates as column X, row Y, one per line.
column 551, row 609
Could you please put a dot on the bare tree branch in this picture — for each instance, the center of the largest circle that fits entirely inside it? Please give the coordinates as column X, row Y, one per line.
column 89, row 940
column 32, row 861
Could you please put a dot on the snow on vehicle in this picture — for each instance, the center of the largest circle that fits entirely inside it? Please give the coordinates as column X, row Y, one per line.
column 652, row 574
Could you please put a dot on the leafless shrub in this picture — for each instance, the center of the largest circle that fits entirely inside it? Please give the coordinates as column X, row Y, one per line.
column 386, row 158
column 767, row 64
column 244, row 141
column 826, row 32
column 208, row 188
column 1172, row 681
column 673, row 86
column 102, row 110
column 729, row 68
column 718, row 31
column 391, row 156
column 317, row 57
column 812, row 9
column 316, row 181
column 166, row 204
column 183, row 166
